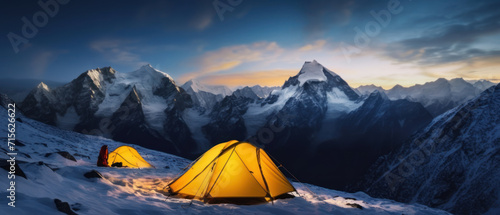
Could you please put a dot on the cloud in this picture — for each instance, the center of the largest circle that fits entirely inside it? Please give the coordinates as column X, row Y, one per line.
column 454, row 41
column 118, row 51
column 323, row 14
column 478, row 68
column 203, row 18
column 41, row 61
column 318, row 44
column 230, row 57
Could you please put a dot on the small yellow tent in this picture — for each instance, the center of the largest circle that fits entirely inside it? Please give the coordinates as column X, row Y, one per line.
column 234, row 172
column 128, row 157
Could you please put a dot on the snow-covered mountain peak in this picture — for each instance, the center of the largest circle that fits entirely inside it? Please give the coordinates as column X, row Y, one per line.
column 99, row 76
column 106, row 72
column 440, row 83
column 368, row 89
column 321, row 82
column 482, row 84
column 313, row 71
column 42, row 91
column 264, row 91
column 441, row 80
column 205, row 95
column 246, row 92
column 151, row 71
column 142, row 85
column 5, row 100
column 43, row 86
column 148, row 68
column 459, row 81
column 397, row 87
column 197, row 86
column 379, row 94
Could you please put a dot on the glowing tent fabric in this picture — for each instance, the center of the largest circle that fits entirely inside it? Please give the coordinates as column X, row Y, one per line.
column 230, row 172
column 128, row 157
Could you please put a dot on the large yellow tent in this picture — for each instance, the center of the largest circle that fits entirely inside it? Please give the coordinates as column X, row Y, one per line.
column 235, row 172
column 128, row 157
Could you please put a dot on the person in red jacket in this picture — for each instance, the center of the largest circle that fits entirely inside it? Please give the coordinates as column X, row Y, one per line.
column 102, row 160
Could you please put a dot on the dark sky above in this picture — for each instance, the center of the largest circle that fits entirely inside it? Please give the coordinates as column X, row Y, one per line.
column 255, row 42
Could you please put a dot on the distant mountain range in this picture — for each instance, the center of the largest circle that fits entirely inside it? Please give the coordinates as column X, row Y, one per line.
column 436, row 96
column 18, row 89
column 144, row 107
column 452, row 164
column 206, row 96
column 318, row 111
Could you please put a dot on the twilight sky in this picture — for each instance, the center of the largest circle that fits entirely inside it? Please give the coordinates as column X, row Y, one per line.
column 248, row 42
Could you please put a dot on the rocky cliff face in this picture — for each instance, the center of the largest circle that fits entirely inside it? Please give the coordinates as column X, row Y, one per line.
column 453, row 164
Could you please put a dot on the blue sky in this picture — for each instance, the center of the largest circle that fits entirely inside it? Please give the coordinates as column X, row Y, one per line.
column 256, row 42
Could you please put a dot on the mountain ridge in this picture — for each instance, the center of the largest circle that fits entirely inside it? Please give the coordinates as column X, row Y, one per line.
column 451, row 164
column 437, row 96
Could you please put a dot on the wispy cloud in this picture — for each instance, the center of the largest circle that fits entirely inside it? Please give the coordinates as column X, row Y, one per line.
column 318, row 44
column 41, row 61
column 203, row 19
column 227, row 58
column 479, row 68
column 321, row 15
column 118, row 51
column 448, row 42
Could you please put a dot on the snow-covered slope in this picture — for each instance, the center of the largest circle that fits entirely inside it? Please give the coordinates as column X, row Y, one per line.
column 453, row 164
column 50, row 176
